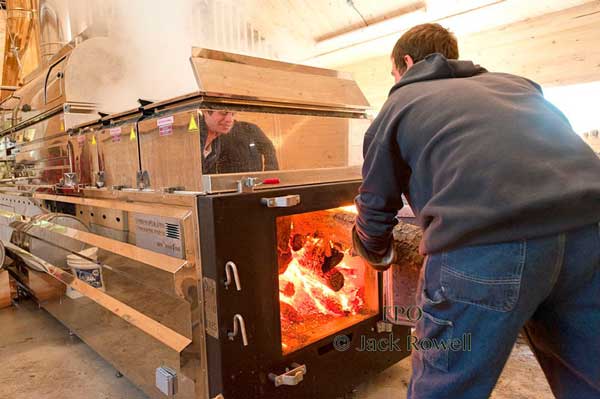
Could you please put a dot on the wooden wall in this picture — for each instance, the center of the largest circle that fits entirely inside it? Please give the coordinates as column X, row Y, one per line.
column 21, row 20
column 6, row 294
column 555, row 49
column 2, row 37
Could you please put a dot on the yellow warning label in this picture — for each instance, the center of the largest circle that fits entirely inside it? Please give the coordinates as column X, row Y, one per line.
column 94, row 139
column 192, row 126
column 62, row 126
column 132, row 136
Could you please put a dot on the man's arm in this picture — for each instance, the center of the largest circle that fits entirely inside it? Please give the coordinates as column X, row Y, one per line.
column 270, row 157
column 385, row 178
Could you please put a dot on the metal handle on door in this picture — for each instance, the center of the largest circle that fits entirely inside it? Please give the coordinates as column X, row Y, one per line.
column 238, row 325
column 230, row 268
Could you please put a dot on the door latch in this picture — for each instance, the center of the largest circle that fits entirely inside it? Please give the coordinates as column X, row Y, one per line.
column 285, row 201
column 290, row 377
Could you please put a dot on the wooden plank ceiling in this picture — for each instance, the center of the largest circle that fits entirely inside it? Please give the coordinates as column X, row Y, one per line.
column 320, row 31
column 555, row 49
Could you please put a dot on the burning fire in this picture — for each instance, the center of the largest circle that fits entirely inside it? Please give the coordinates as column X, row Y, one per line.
column 304, row 292
column 322, row 287
column 349, row 209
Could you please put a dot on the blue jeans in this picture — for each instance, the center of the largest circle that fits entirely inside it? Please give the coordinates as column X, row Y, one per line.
column 486, row 294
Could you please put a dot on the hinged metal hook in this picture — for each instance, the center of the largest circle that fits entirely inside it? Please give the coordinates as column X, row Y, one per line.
column 238, row 325
column 231, row 267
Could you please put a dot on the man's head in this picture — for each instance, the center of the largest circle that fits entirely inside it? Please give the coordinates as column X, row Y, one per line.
column 417, row 43
column 219, row 122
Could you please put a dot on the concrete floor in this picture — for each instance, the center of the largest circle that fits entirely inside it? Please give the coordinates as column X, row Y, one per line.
column 41, row 361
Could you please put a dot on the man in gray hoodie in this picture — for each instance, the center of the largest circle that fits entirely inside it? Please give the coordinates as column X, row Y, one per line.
column 508, row 197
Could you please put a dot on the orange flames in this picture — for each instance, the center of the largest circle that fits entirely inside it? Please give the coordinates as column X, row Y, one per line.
column 305, row 294
column 301, row 289
column 322, row 287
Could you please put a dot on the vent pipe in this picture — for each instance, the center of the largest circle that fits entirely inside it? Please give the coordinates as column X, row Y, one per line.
column 55, row 27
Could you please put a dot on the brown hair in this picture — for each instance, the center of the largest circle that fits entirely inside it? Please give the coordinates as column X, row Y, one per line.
column 422, row 40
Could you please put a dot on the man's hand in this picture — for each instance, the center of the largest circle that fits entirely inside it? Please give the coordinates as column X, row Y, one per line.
column 378, row 262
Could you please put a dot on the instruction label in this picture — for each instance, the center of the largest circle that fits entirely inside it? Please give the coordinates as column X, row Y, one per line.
column 115, row 134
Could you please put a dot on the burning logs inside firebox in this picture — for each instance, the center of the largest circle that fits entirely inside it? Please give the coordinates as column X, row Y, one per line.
column 324, row 285
column 319, row 243
column 321, row 254
column 321, row 257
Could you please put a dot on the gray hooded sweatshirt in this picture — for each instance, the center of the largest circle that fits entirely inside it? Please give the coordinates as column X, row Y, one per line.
column 482, row 158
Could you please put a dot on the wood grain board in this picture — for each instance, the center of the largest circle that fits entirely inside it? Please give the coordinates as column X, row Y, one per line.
column 5, row 290
column 559, row 48
column 256, row 81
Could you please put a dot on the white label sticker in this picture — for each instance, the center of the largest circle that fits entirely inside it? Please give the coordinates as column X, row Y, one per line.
column 165, row 121
column 115, row 133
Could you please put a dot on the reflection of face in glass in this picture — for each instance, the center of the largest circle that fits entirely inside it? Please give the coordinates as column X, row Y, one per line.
column 219, row 122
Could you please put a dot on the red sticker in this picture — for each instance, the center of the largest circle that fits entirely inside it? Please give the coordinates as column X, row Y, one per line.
column 115, row 134
column 166, row 130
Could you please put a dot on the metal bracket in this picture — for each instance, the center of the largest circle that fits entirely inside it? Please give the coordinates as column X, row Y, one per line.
column 290, row 377
column 70, row 179
column 100, row 179
column 120, row 187
column 68, row 182
column 171, row 190
column 230, row 267
column 286, row 201
column 384, row 326
column 238, row 325
column 248, row 184
column 142, row 179
column 166, row 380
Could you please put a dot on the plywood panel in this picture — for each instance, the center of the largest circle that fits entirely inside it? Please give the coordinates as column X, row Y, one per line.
column 248, row 80
column 24, row 29
column 118, row 155
column 5, row 291
column 171, row 157
column 557, row 49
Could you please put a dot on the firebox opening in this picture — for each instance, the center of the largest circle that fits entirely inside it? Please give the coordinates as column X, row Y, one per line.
column 323, row 288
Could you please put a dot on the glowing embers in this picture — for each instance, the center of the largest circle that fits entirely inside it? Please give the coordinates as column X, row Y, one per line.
column 322, row 288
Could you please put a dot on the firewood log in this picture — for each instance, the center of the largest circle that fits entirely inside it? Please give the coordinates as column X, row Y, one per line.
column 335, row 227
column 284, row 252
column 406, row 241
column 404, row 275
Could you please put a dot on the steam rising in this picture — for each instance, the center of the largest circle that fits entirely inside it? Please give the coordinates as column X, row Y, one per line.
column 150, row 43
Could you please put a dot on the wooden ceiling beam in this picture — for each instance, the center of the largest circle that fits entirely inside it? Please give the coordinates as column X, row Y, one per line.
column 559, row 48
column 21, row 45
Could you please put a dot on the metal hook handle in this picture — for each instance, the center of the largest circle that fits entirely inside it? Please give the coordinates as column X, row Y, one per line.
column 229, row 268
column 238, row 325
